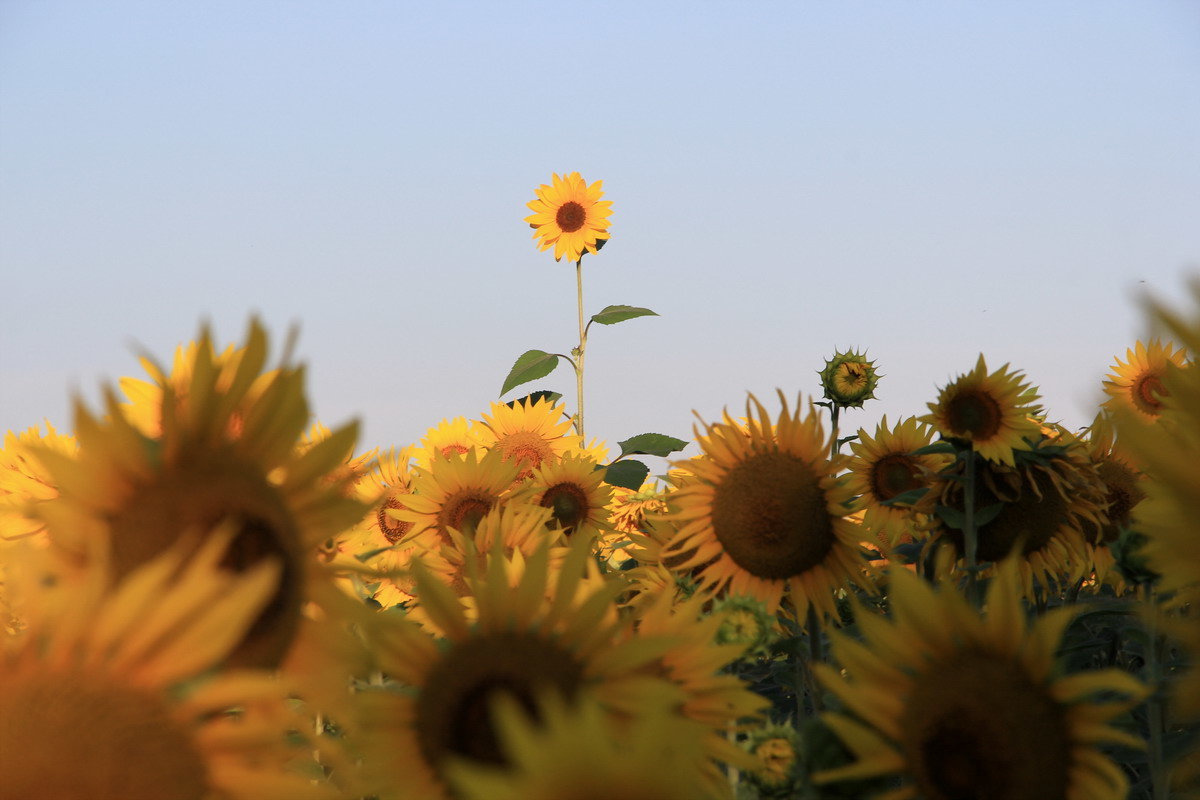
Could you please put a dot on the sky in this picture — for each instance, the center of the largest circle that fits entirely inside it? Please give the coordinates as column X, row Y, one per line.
column 927, row 181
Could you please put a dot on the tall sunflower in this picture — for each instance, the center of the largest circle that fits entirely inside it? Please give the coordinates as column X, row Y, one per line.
column 1137, row 382
column 569, row 216
column 142, row 493
column 991, row 411
column 962, row 706
column 884, row 467
column 530, row 434
column 518, row 645
column 763, row 513
column 111, row 695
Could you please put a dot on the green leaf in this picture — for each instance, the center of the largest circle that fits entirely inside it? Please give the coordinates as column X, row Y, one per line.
column 952, row 517
column 532, row 364
column 935, row 448
column 611, row 315
column 651, row 444
column 626, row 474
column 533, row 397
column 986, row 514
column 906, row 498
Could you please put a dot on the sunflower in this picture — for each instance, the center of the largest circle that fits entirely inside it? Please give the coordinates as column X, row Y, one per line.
column 883, row 468
column 111, row 696
column 1137, row 383
column 575, row 492
column 696, row 664
column 849, row 379
column 25, row 482
column 959, row 705
column 1043, row 505
column 570, row 215
column 1169, row 451
column 763, row 513
column 565, row 751
column 142, row 493
column 454, row 493
column 519, row 645
column 530, row 434
column 991, row 411
column 453, row 437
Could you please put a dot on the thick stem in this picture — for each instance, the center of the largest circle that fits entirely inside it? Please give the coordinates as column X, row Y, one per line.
column 1158, row 772
column 580, row 349
column 971, row 535
column 834, row 413
column 815, row 656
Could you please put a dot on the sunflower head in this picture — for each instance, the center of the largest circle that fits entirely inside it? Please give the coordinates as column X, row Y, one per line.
column 992, row 412
column 777, row 750
column 569, row 216
column 1138, row 382
column 849, row 379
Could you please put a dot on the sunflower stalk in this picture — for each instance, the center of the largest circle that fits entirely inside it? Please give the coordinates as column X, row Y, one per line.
column 970, row 534
column 578, row 351
column 1159, row 777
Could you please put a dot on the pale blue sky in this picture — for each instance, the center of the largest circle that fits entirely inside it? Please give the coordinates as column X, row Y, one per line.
column 924, row 179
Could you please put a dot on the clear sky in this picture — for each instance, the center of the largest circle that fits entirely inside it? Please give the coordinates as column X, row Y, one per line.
column 927, row 180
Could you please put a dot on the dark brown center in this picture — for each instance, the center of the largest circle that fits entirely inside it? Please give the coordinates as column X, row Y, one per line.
column 894, row 474
column 570, row 216
column 392, row 528
column 973, row 414
column 769, row 514
column 569, row 502
column 976, row 727
column 454, row 709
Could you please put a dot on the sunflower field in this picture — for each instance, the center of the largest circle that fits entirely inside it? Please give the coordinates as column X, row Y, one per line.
column 206, row 593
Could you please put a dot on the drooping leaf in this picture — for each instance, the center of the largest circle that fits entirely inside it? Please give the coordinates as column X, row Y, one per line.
column 626, row 474
column 611, row 315
column 532, row 364
column 651, row 444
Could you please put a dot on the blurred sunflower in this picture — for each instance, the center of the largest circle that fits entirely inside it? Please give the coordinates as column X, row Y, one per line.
column 25, row 482
column 519, row 645
column 962, row 706
column 1137, row 382
column 530, row 434
column 763, row 513
column 570, row 216
column 454, row 493
column 991, row 411
column 118, row 678
column 142, row 493
column 566, row 750
column 1169, row 452
column 883, row 468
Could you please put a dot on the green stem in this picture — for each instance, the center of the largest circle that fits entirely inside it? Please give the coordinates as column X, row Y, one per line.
column 834, row 413
column 815, row 656
column 579, row 350
column 1158, row 773
column 970, row 535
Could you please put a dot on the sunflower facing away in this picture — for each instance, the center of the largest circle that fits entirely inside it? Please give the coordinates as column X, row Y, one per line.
column 142, row 493
column 1137, row 382
column 991, row 411
column 107, row 698
column 961, row 706
column 570, row 216
column 763, row 514
column 530, row 435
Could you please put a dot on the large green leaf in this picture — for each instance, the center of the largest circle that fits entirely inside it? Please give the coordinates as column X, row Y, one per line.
column 614, row 314
column 532, row 364
column 651, row 444
column 626, row 474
